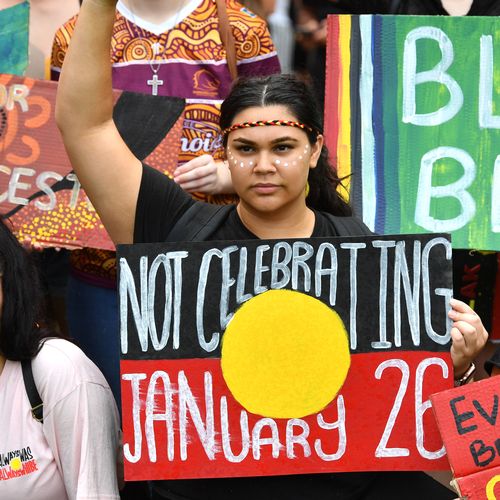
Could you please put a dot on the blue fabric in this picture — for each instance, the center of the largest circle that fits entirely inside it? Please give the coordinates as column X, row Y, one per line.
column 94, row 324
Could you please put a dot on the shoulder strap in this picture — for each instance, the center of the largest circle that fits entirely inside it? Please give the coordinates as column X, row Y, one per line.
column 32, row 392
column 227, row 38
column 199, row 222
column 348, row 226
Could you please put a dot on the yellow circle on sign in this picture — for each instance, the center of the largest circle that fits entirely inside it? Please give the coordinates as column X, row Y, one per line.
column 490, row 487
column 285, row 355
column 16, row 464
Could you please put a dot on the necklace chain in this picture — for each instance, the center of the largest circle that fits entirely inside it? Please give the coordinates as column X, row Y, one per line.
column 155, row 82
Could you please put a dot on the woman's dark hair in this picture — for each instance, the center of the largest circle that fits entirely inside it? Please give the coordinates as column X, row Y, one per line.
column 286, row 90
column 20, row 334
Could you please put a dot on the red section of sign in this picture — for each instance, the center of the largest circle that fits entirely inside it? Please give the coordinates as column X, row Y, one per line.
column 33, row 160
column 469, row 422
column 176, row 437
column 483, row 485
column 333, row 68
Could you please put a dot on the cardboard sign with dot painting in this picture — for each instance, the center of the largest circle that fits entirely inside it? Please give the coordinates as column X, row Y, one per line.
column 283, row 357
column 39, row 192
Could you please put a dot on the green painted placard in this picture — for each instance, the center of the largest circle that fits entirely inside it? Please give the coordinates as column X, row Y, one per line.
column 14, row 34
column 419, row 97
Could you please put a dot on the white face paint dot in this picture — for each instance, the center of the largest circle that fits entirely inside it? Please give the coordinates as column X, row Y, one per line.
column 300, row 157
column 251, row 163
column 286, row 164
column 242, row 164
column 277, row 162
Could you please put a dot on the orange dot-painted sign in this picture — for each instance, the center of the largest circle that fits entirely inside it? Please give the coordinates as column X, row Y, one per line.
column 39, row 192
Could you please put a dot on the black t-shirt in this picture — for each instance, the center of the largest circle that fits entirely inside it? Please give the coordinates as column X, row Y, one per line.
column 493, row 361
column 161, row 203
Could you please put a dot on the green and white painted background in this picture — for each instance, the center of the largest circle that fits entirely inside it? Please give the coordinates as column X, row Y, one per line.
column 14, row 31
column 413, row 113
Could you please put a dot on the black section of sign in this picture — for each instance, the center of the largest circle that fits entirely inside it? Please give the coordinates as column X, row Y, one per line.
column 474, row 276
column 363, row 290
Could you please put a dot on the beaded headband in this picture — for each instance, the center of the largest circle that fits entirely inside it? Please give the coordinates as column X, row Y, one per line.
column 265, row 123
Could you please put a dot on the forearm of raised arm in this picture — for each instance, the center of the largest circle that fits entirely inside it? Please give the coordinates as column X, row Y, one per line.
column 106, row 168
column 84, row 98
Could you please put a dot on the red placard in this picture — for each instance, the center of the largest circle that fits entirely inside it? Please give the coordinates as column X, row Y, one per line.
column 483, row 485
column 38, row 191
column 469, row 422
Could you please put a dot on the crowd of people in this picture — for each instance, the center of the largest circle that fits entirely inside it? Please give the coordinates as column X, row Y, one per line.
column 234, row 89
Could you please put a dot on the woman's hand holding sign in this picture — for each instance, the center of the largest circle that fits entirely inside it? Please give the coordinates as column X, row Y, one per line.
column 468, row 336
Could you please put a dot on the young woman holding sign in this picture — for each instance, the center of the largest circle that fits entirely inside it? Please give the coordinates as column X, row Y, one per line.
column 279, row 167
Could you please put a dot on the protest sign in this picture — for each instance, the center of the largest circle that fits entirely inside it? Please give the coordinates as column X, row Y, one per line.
column 469, row 423
column 413, row 113
column 14, row 38
column 283, row 357
column 39, row 192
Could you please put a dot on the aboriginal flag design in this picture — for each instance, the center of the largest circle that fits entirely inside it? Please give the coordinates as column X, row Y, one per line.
column 283, row 357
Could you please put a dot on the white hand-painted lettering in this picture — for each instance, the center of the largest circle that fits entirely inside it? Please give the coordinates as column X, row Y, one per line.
column 353, row 270
column 260, row 269
column 382, row 449
column 258, row 441
column 281, row 266
column 225, row 435
column 300, row 439
column 486, row 84
column 446, row 293
column 135, row 379
column 422, row 406
column 188, row 404
column 152, row 414
column 16, row 93
column 412, row 296
column 457, row 189
column 437, row 74
column 382, row 343
column 326, row 271
column 340, row 425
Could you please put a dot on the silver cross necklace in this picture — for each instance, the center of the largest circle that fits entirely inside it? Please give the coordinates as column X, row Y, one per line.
column 155, row 81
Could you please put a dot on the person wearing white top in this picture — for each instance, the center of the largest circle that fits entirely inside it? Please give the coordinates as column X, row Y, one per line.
column 72, row 453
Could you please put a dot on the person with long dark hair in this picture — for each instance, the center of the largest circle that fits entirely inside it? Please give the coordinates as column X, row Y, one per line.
column 169, row 48
column 59, row 423
column 273, row 138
